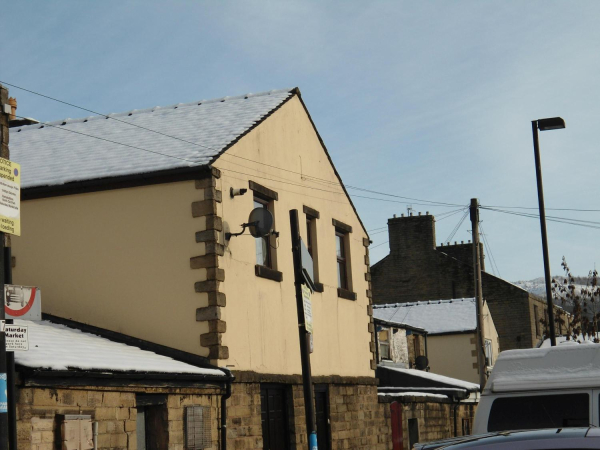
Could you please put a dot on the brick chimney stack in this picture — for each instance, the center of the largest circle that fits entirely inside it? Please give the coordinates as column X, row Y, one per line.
column 411, row 235
column 13, row 108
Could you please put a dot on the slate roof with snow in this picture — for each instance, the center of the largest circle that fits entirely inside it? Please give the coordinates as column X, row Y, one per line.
column 435, row 316
column 57, row 347
column 60, row 152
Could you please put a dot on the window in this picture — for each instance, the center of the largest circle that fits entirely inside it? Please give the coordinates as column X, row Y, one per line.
column 311, row 243
column 197, row 428
column 342, row 269
column 539, row 411
column 383, row 336
column 322, row 417
column 489, row 353
column 536, row 318
column 342, row 247
column 264, row 253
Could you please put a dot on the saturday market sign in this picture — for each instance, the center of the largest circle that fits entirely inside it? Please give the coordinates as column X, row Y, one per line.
column 10, row 197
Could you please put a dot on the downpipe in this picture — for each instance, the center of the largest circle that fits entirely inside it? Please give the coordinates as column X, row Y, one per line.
column 224, row 398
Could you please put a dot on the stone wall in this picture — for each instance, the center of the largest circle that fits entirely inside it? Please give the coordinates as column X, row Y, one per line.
column 435, row 417
column 357, row 419
column 38, row 424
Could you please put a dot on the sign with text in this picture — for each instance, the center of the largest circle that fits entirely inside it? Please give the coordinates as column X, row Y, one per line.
column 306, row 293
column 22, row 302
column 17, row 337
column 10, row 197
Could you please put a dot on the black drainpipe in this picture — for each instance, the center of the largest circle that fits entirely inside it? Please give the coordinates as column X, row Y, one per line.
column 455, row 419
column 224, row 398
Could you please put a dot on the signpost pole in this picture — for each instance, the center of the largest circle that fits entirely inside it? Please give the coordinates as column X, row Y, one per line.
column 3, row 381
column 10, row 363
column 309, row 406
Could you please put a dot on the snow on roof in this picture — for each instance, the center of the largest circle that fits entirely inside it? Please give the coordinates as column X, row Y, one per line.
column 60, row 152
column 562, row 340
column 57, row 347
column 435, row 316
column 565, row 366
column 410, row 394
column 436, row 377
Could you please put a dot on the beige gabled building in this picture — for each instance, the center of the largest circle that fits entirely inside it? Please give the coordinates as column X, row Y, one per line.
column 123, row 228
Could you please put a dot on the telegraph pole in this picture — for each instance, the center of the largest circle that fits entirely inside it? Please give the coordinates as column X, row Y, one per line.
column 4, row 428
column 474, row 213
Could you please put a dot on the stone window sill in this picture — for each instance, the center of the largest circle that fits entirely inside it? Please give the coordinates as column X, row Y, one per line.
column 348, row 295
column 269, row 274
column 319, row 287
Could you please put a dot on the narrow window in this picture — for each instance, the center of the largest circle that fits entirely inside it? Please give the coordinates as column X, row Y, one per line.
column 384, row 343
column 342, row 268
column 489, row 353
column 466, row 427
column 264, row 256
column 536, row 318
column 312, row 243
column 343, row 258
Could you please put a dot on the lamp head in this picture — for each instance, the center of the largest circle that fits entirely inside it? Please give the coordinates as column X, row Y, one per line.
column 553, row 123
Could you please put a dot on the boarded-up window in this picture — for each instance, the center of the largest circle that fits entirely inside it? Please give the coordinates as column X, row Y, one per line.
column 197, row 427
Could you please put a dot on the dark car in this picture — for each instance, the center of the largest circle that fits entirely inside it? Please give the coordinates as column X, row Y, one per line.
column 547, row 439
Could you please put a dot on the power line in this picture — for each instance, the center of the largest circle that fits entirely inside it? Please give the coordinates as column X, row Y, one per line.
column 225, row 154
column 489, row 249
column 536, row 208
column 378, row 245
column 457, row 226
column 559, row 220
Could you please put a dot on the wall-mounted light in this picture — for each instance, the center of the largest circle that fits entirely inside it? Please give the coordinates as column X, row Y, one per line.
column 235, row 192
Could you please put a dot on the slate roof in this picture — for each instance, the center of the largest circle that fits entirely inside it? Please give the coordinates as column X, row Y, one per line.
column 435, row 316
column 57, row 347
column 61, row 152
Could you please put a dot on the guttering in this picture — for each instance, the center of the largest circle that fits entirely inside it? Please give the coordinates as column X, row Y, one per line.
column 224, row 398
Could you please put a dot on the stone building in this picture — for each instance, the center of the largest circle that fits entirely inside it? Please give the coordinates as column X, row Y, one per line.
column 451, row 329
column 80, row 390
column 124, row 225
column 416, row 270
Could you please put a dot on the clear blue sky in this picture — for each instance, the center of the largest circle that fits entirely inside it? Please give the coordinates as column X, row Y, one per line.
column 424, row 99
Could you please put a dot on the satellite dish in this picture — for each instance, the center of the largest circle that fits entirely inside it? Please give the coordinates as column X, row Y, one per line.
column 260, row 222
column 421, row 362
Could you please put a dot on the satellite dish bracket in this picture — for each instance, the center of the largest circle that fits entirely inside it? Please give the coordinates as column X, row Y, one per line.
column 244, row 226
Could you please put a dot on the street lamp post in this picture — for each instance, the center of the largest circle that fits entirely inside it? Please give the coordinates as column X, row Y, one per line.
column 554, row 123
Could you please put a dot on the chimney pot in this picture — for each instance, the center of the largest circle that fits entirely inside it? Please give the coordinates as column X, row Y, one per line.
column 454, row 242
column 462, row 242
column 394, row 216
column 427, row 213
column 13, row 108
column 419, row 212
column 401, row 215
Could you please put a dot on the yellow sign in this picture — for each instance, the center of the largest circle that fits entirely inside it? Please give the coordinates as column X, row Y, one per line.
column 10, row 197
column 306, row 293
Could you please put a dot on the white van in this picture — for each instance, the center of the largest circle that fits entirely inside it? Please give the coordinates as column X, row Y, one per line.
column 551, row 387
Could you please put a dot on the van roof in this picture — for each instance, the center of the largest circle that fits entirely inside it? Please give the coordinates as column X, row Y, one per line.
column 570, row 367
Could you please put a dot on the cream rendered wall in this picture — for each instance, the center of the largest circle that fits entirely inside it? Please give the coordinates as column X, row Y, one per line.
column 452, row 354
column 117, row 259
column 262, row 329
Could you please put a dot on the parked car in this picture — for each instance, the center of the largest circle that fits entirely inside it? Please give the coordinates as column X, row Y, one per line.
column 537, row 388
column 546, row 439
